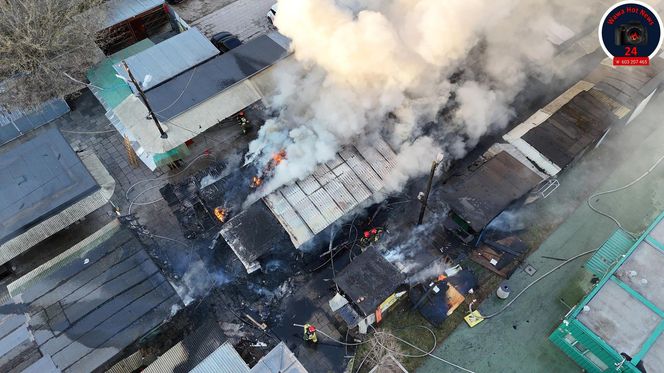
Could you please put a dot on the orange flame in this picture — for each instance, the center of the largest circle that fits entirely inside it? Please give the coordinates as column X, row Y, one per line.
column 256, row 182
column 220, row 213
column 279, row 157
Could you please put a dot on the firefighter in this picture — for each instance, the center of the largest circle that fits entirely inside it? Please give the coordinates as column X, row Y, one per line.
column 310, row 333
column 370, row 236
column 244, row 122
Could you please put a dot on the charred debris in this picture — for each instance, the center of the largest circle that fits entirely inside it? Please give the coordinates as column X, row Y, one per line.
column 327, row 250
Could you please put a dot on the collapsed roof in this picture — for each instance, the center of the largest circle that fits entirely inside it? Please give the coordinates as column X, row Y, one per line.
column 252, row 233
column 306, row 207
column 369, row 279
column 89, row 303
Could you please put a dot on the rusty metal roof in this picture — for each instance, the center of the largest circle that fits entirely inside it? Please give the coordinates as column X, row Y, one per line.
column 480, row 195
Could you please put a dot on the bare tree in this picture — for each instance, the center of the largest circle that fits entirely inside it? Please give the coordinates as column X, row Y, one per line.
column 380, row 346
column 42, row 42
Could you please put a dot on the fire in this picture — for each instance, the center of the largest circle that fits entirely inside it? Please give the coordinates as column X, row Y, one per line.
column 220, row 213
column 279, row 157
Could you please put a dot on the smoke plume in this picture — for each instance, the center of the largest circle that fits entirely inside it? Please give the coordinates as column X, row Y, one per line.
column 366, row 68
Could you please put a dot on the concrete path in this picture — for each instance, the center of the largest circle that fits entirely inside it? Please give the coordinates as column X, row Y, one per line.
column 516, row 340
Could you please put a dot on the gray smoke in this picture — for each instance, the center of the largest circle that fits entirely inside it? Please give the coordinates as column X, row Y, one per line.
column 366, row 68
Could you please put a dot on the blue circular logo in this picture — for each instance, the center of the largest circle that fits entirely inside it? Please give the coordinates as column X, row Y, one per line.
column 630, row 33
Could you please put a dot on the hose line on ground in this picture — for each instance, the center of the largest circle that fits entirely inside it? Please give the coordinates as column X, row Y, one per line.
column 595, row 209
column 536, row 281
column 424, row 352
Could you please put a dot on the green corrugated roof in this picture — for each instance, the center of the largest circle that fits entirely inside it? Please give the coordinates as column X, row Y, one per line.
column 610, row 253
column 115, row 90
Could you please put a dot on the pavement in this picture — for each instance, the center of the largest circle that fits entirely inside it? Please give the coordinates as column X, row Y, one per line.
column 516, row 340
column 191, row 10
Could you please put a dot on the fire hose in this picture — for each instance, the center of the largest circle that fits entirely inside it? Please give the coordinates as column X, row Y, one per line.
column 424, row 353
column 596, row 210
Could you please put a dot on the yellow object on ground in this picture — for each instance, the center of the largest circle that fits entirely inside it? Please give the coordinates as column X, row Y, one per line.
column 310, row 333
column 473, row 318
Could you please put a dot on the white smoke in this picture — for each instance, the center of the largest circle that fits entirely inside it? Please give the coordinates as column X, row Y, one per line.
column 365, row 68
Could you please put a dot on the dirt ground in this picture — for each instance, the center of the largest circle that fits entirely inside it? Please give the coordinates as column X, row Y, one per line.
column 191, row 10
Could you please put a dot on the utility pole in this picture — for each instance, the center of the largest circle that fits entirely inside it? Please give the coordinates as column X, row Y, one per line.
column 145, row 101
column 424, row 196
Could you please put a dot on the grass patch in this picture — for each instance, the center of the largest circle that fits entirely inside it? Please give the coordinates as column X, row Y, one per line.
column 405, row 323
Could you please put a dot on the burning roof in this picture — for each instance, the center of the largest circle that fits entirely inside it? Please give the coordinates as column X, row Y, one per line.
column 306, row 207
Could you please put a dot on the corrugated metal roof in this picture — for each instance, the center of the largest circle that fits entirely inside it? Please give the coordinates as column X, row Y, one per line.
column 170, row 57
column 209, row 79
column 87, row 305
column 571, row 129
column 122, row 10
column 188, row 353
column 279, row 360
column 480, row 195
column 16, row 122
column 225, row 359
column 306, row 207
column 609, row 253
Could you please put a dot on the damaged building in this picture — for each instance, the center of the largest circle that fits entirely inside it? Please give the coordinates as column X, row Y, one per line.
column 550, row 140
column 370, row 285
column 307, row 207
column 80, row 310
column 207, row 350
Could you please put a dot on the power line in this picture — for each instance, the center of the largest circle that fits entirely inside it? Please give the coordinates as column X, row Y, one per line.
column 193, row 72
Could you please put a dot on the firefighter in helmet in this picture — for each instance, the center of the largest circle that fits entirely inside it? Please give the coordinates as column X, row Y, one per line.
column 244, row 122
column 310, row 333
column 371, row 236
